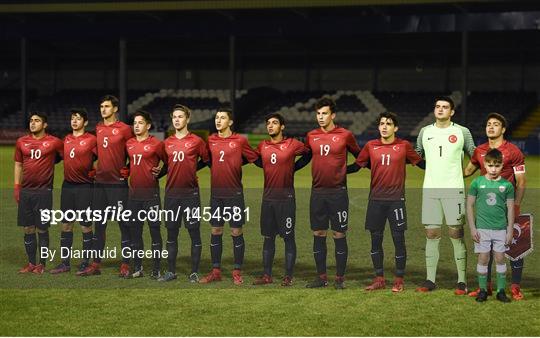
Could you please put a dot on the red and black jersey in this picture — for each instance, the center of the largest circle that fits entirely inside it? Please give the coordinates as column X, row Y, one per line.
column 182, row 157
column 111, row 151
column 79, row 152
column 226, row 170
column 329, row 161
column 278, row 166
column 143, row 156
column 38, row 157
column 387, row 163
column 513, row 160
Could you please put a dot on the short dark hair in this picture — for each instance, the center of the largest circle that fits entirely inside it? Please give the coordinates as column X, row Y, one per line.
column 277, row 116
column 144, row 114
column 40, row 114
column 183, row 108
column 498, row 117
column 227, row 110
column 447, row 99
column 494, row 155
column 326, row 102
column 113, row 99
column 81, row 111
column 388, row 115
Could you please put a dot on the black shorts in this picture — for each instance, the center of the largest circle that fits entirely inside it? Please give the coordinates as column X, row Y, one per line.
column 77, row 196
column 110, row 195
column 31, row 202
column 380, row 211
column 278, row 217
column 178, row 209
column 325, row 208
column 229, row 209
column 144, row 210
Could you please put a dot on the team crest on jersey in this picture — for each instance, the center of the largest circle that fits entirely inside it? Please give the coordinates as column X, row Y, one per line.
column 188, row 144
column 146, row 147
column 452, row 138
column 82, row 143
column 45, row 144
column 232, row 145
column 283, row 146
column 395, row 148
column 115, row 131
column 502, row 188
column 335, row 138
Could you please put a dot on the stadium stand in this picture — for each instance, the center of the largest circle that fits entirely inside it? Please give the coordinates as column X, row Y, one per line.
column 513, row 105
column 414, row 108
column 202, row 102
column 9, row 107
column 355, row 110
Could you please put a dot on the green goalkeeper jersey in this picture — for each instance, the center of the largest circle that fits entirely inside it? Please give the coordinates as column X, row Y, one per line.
column 443, row 150
column 491, row 197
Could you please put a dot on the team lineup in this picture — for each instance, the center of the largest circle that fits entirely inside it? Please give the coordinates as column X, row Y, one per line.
column 120, row 166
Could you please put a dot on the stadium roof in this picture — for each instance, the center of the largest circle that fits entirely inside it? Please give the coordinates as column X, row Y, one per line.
column 63, row 6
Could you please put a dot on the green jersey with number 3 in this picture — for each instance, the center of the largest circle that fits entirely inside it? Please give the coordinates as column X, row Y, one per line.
column 443, row 150
column 491, row 197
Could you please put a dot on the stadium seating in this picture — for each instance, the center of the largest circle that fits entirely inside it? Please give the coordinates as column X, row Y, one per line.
column 203, row 104
column 513, row 105
column 414, row 110
column 355, row 110
column 10, row 108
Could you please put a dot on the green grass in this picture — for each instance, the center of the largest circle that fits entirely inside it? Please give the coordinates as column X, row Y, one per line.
column 107, row 305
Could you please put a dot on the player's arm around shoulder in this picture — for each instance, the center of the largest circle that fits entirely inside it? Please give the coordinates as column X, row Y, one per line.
column 352, row 145
column 510, row 212
column 419, row 146
column 59, row 147
column 468, row 143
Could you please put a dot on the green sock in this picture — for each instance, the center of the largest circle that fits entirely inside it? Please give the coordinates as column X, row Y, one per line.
column 432, row 258
column 460, row 257
column 482, row 282
column 501, row 281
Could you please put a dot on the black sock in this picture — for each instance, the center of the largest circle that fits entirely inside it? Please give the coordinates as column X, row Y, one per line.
column 125, row 240
column 377, row 254
column 66, row 242
column 490, row 263
column 99, row 240
column 157, row 245
column 137, row 243
column 342, row 252
column 401, row 252
column 238, row 250
column 30, row 245
column 216, row 249
column 319, row 253
column 517, row 270
column 87, row 245
column 172, row 248
column 196, row 248
column 43, row 239
column 268, row 252
column 290, row 255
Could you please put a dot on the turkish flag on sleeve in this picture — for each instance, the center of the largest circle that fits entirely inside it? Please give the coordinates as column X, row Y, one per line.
column 522, row 242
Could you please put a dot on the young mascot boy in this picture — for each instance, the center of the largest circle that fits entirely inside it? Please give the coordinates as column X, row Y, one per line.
column 493, row 223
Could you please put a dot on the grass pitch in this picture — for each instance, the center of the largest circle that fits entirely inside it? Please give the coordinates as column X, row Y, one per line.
column 106, row 305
